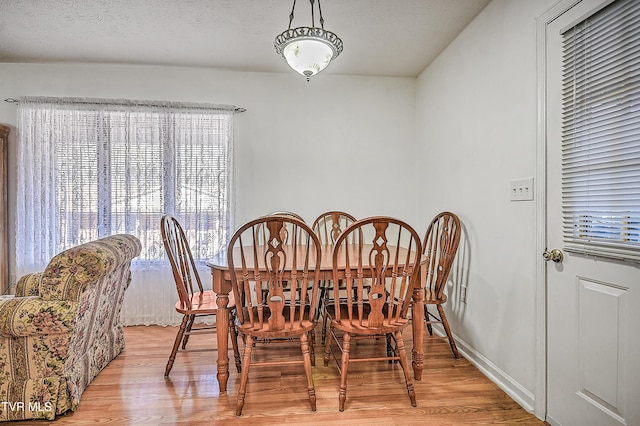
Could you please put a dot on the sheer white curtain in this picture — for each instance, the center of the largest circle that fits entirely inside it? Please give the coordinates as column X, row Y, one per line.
column 88, row 168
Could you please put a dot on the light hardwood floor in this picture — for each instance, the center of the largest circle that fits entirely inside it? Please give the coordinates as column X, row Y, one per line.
column 133, row 391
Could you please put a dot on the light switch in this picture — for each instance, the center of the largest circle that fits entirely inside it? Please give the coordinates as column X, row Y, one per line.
column 522, row 189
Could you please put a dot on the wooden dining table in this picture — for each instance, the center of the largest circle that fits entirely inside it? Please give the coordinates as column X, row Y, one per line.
column 221, row 276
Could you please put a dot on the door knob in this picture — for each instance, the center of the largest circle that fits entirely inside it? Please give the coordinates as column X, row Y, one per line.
column 555, row 255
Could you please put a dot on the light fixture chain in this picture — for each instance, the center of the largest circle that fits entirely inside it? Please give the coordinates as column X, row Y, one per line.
column 321, row 18
column 313, row 20
column 291, row 15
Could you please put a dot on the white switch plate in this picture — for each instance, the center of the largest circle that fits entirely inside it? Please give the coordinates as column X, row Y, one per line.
column 522, row 189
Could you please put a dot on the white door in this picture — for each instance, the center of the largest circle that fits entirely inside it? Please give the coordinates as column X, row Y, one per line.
column 593, row 304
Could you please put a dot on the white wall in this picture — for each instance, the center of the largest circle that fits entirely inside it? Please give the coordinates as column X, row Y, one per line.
column 332, row 143
column 476, row 131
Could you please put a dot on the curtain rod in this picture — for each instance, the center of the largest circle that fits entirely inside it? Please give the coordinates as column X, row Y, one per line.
column 136, row 103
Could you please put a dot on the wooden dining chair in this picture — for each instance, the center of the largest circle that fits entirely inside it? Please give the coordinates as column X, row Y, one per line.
column 380, row 270
column 328, row 226
column 286, row 228
column 194, row 302
column 276, row 292
column 440, row 245
column 286, row 213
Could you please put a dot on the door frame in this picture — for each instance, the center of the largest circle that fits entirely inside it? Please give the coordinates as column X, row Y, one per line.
column 542, row 23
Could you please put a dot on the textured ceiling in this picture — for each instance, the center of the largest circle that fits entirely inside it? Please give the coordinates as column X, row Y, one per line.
column 381, row 37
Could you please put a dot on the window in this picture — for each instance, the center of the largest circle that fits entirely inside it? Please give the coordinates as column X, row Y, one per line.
column 91, row 168
column 601, row 133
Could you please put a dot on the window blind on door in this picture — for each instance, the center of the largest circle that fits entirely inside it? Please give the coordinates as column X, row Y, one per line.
column 601, row 133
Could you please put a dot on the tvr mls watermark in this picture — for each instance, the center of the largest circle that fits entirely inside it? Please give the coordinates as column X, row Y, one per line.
column 31, row 406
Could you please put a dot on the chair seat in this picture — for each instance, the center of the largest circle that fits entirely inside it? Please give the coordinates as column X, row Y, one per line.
column 203, row 303
column 363, row 327
column 259, row 330
column 431, row 298
column 266, row 332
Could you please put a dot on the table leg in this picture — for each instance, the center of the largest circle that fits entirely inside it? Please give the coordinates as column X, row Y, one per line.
column 417, row 325
column 222, row 324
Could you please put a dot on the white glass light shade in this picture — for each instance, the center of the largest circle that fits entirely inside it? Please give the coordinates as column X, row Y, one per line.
column 307, row 56
column 308, row 50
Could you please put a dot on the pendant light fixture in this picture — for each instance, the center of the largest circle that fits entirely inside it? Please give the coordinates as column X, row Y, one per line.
column 308, row 50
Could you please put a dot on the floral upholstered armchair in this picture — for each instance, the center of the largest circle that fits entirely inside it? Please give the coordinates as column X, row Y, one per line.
column 63, row 327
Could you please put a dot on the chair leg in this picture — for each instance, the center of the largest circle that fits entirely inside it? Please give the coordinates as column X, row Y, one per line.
column 234, row 341
column 312, row 348
column 176, row 345
column 306, row 358
column 324, row 326
column 427, row 320
column 404, row 362
column 342, row 393
column 321, row 296
column 185, row 338
column 327, row 348
column 322, row 311
column 445, row 323
column 390, row 350
column 244, row 376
